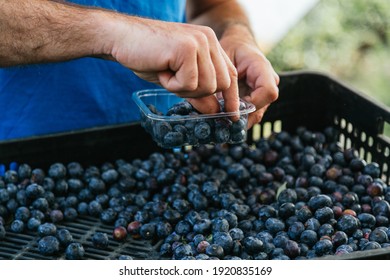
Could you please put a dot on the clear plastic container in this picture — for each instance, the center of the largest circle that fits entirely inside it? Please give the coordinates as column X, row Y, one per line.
column 173, row 123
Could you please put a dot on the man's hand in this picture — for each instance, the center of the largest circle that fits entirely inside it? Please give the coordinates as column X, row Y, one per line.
column 258, row 82
column 183, row 58
column 256, row 78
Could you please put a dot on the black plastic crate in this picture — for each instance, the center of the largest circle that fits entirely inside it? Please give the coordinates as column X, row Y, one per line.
column 308, row 99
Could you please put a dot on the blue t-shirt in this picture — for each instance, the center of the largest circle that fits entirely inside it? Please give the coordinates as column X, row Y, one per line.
column 83, row 93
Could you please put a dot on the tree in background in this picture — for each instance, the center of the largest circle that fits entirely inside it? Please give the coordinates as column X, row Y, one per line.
column 348, row 39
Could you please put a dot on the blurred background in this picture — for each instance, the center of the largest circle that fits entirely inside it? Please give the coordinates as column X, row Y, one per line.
column 346, row 39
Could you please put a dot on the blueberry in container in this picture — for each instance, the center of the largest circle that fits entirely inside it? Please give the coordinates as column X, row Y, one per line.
column 173, row 122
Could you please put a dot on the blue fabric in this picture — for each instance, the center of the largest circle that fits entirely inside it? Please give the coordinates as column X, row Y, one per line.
column 83, row 93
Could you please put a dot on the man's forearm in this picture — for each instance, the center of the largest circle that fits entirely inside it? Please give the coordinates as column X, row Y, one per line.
column 35, row 31
column 220, row 15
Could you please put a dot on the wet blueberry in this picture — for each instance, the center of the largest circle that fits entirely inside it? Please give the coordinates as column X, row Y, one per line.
column 214, row 250
column 325, row 230
column 220, row 224
column 303, row 214
column 70, row 214
column 56, row 216
column 120, row 233
column 312, row 224
column 224, row 240
column 125, row 257
column 17, row 226
column 148, row 231
column 252, row 245
column 37, row 176
column 160, row 129
column 110, row 176
column 202, row 130
column 49, row 245
column 309, row 237
column 33, row 223
column 22, row 213
column 339, row 238
column 286, row 210
column 182, row 251
column 324, row 214
column 367, row 220
column 108, row 216
column 11, row 176
column 183, row 227
column 64, row 237
column 34, row 191
column 100, row 240
column 295, row 230
column 323, row 247
column 82, row 208
column 75, row 170
column 348, row 224
column 274, row 225
column 287, row 195
column 222, row 131
column 379, row 235
column 173, row 139
column 267, row 211
column 74, row 251
column 236, row 234
column 24, row 171
column 46, row 229
column 96, row 185
column 280, row 240
column 371, row 245
column 319, row 201
column 372, row 169
column 292, row 249
column 381, row 208
column 95, row 208
column 57, row 171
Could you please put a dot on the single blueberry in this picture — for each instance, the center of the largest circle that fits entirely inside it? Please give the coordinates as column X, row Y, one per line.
column 323, row 247
column 33, row 224
column 173, row 139
column 75, row 170
column 74, row 251
column 17, row 226
column 57, row 171
column 224, row 240
column 100, row 240
column 202, row 130
column 182, row 251
column 214, row 250
column 274, row 225
column 64, row 237
column 48, row 245
column 46, row 229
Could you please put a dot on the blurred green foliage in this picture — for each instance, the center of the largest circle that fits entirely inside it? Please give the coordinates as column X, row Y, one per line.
column 347, row 39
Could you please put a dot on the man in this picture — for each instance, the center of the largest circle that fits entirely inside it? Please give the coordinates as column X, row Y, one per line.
column 67, row 66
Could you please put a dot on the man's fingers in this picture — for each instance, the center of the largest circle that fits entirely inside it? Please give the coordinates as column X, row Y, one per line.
column 256, row 117
column 231, row 97
column 200, row 68
column 206, row 105
column 183, row 73
column 263, row 95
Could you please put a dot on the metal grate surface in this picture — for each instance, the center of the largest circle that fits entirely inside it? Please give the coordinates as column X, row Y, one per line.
column 24, row 246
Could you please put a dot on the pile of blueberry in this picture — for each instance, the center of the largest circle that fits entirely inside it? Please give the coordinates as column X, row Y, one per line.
column 291, row 196
column 177, row 131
